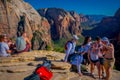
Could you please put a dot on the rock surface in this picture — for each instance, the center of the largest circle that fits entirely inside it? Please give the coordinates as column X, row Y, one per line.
column 24, row 64
column 34, row 23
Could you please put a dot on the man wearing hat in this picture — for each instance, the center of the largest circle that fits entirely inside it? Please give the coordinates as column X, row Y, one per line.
column 109, row 56
column 70, row 47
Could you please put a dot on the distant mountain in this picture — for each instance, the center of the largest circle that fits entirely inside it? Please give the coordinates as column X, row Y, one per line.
column 90, row 21
column 63, row 23
column 94, row 18
column 109, row 27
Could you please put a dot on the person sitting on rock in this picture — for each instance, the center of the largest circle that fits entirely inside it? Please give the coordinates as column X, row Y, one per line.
column 4, row 48
column 22, row 43
column 11, row 45
column 70, row 47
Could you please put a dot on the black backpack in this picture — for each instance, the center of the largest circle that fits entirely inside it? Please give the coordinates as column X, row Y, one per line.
column 33, row 76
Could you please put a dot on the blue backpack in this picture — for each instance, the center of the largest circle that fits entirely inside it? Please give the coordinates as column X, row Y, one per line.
column 75, row 59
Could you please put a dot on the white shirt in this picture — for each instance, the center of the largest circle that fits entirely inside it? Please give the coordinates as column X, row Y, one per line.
column 3, row 49
column 70, row 49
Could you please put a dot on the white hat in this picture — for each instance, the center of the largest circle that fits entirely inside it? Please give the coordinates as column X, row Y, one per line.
column 75, row 37
column 105, row 39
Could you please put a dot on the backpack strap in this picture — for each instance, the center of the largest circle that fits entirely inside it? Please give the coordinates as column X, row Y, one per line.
column 71, row 43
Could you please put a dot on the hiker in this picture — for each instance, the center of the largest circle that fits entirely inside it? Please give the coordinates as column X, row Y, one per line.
column 21, row 25
column 109, row 57
column 11, row 45
column 22, row 43
column 86, row 44
column 83, row 50
column 4, row 49
column 70, row 47
column 100, row 55
column 94, row 59
column 85, row 47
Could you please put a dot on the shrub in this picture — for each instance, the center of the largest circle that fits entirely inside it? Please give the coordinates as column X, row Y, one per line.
column 58, row 45
column 48, row 47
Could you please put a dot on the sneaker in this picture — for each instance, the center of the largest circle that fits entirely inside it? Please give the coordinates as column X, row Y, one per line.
column 93, row 76
column 80, row 74
column 103, row 75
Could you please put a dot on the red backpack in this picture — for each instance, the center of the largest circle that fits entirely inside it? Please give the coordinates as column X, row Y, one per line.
column 44, row 73
column 65, row 47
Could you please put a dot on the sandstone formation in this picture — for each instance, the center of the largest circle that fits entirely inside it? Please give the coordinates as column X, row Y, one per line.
column 10, row 12
column 63, row 23
column 24, row 64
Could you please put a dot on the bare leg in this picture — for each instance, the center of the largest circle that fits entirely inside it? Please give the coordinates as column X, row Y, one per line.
column 108, row 73
column 99, row 69
column 92, row 68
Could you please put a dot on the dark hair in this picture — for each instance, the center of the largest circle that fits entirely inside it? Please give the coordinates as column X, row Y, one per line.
column 1, row 38
column 97, row 38
column 22, row 33
column 86, row 40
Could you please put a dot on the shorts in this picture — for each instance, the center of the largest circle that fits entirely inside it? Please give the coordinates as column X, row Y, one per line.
column 101, row 61
column 109, row 63
column 94, row 61
column 85, row 59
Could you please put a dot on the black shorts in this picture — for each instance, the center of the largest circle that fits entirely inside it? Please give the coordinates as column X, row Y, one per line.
column 85, row 59
column 101, row 61
column 94, row 61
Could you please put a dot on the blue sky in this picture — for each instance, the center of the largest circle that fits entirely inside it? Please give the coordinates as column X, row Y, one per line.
column 103, row 7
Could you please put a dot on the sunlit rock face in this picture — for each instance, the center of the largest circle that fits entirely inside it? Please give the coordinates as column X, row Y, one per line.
column 10, row 17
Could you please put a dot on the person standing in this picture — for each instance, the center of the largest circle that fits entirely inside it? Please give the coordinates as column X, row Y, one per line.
column 109, row 57
column 70, row 47
column 94, row 59
column 101, row 56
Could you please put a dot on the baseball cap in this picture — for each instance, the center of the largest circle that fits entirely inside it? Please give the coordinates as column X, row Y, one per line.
column 105, row 39
column 75, row 37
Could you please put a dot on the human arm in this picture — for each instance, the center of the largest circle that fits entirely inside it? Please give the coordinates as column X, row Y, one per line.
column 28, row 41
column 7, row 49
column 89, row 56
column 108, row 47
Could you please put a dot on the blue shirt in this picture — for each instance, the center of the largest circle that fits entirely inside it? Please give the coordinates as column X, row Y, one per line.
column 3, row 49
column 20, row 44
